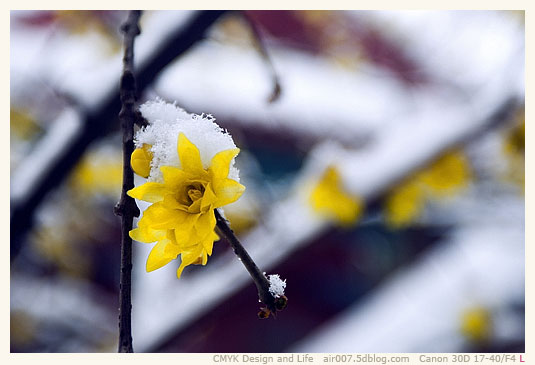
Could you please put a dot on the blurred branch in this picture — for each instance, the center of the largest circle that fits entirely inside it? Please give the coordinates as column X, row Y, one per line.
column 501, row 115
column 99, row 122
column 76, row 311
column 127, row 208
column 262, row 284
column 261, row 48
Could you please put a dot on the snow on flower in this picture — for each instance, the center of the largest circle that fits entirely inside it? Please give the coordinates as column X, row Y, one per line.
column 189, row 163
column 276, row 285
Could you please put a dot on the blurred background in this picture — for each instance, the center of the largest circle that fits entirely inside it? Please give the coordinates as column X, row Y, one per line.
column 416, row 118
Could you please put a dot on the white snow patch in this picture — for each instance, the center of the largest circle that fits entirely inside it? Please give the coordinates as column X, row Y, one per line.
column 276, row 285
column 166, row 122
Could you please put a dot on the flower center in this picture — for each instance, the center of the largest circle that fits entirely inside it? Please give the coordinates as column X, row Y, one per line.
column 194, row 192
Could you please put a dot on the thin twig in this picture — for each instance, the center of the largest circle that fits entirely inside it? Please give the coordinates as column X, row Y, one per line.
column 262, row 284
column 261, row 48
column 127, row 208
column 97, row 123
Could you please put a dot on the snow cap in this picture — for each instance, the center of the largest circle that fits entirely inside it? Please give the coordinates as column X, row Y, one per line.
column 166, row 122
column 276, row 285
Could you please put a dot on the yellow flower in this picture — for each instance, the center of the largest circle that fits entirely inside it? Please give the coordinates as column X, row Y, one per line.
column 100, row 172
column 329, row 199
column 447, row 175
column 181, row 219
column 476, row 324
column 515, row 141
column 22, row 125
column 140, row 160
column 442, row 178
column 514, row 146
column 404, row 204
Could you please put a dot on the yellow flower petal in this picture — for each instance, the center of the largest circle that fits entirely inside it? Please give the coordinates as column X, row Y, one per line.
column 157, row 216
column 208, row 243
column 209, row 198
column 175, row 178
column 196, row 255
column 220, row 164
column 169, row 201
column 140, row 235
column 185, row 233
column 151, row 192
column 195, row 207
column 161, row 254
column 227, row 191
column 205, row 225
column 146, row 234
column 189, row 155
column 141, row 159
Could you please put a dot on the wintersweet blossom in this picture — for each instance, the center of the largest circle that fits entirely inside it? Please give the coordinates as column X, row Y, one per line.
column 513, row 147
column 184, row 195
column 404, row 204
column 141, row 159
column 330, row 199
column 476, row 324
column 99, row 172
column 447, row 175
column 443, row 178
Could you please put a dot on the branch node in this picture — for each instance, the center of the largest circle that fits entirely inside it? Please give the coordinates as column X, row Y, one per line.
column 139, row 120
column 128, row 83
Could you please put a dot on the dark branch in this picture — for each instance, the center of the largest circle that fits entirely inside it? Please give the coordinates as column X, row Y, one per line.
column 261, row 48
column 99, row 122
column 262, row 284
column 127, row 208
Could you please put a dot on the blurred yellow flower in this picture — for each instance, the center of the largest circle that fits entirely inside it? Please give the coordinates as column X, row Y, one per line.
column 515, row 142
column 329, row 199
column 90, row 21
column 21, row 124
column 514, row 146
column 181, row 219
column 443, row 178
column 99, row 173
column 404, row 204
column 447, row 175
column 476, row 324
column 141, row 159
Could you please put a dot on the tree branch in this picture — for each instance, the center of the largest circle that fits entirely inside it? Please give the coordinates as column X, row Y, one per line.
column 98, row 123
column 127, row 208
column 261, row 48
column 262, row 284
